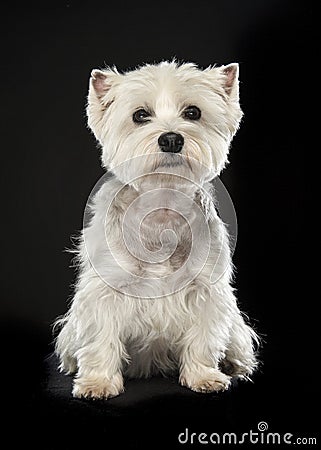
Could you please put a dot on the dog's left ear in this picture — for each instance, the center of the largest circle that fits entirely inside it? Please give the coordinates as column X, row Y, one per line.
column 225, row 80
column 231, row 80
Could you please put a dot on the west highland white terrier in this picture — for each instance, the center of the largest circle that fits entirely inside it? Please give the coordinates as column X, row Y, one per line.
column 154, row 291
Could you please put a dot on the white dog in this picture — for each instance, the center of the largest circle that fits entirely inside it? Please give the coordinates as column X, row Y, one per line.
column 154, row 289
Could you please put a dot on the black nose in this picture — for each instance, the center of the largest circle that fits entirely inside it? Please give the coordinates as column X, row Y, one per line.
column 171, row 142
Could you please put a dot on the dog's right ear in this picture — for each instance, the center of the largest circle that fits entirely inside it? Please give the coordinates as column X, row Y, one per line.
column 102, row 80
column 100, row 96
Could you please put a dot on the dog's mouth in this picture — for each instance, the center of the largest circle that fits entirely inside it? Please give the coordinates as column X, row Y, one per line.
column 170, row 160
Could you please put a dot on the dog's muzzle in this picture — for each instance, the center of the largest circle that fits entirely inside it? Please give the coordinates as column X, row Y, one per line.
column 171, row 142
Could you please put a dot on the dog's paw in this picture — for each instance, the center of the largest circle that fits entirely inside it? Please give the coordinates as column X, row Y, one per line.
column 240, row 369
column 211, row 381
column 98, row 388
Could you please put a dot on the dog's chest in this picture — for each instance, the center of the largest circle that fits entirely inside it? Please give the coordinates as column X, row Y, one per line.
column 159, row 229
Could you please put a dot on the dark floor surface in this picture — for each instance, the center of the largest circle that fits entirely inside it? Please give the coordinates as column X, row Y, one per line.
column 155, row 411
column 42, row 414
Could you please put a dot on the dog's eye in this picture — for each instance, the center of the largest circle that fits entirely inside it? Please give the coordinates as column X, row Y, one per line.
column 192, row 113
column 141, row 116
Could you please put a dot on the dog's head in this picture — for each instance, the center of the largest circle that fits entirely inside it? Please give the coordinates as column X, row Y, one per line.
column 165, row 118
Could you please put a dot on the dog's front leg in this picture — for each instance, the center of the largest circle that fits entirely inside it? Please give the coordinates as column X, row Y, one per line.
column 203, row 346
column 198, row 371
column 97, row 346
column 99, row 370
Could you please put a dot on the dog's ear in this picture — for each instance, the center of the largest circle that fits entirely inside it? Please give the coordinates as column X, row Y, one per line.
column 225, row 80
column 100, row 96
column 102, row 80
column 231, row 72
column 231, row 80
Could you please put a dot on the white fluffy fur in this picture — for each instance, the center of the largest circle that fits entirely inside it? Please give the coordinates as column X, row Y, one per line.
column 176, row 310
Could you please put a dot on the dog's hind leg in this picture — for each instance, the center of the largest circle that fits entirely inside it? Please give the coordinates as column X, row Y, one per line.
column 240, row 359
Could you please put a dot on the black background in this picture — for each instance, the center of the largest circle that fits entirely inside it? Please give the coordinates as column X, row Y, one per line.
column 50, row 163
